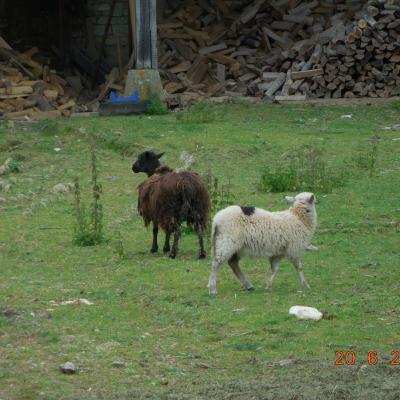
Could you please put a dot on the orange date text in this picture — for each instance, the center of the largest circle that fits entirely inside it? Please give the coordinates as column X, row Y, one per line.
column 371, row 358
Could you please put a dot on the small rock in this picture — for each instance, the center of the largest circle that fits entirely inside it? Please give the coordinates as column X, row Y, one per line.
column 68, row 368
column 5, row 168
column 86, row 301
column 311, row 247
column 369, row 264
column 57, row 149
column 5, row 186
column 119, row 364
column 2, row 200
column 62, row 188
column 304, row 312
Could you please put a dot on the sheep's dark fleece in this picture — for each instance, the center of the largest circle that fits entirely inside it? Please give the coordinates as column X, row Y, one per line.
column 168, row 198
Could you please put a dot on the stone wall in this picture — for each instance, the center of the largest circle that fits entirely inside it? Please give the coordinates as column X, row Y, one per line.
column 98, row 11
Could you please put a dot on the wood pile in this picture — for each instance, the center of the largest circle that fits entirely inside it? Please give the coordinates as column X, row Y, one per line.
column 31, row 90
column 281, row 49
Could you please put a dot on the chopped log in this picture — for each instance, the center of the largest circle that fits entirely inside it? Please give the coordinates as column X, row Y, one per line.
column 182, row 67
column 50, row 94
column 174, row 87
column 39, row 115
column 221, row 72
column 307, row 74
column 249, row 12
column 17, row 90
column 276, row 85
column 212, row 49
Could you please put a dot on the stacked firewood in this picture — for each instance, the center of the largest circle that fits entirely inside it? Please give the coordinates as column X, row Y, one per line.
column 31, row 90
column 283, row 49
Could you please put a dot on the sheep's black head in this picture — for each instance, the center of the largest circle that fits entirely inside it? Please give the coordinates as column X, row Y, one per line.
column 147, row 162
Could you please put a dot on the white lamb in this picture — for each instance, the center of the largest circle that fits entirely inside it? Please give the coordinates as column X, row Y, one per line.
column 248, row 231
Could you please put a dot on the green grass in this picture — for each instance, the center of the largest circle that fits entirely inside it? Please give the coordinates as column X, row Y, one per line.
column 155, row 313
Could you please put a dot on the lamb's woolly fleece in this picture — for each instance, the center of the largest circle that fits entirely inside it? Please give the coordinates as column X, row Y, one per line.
column 264, row 234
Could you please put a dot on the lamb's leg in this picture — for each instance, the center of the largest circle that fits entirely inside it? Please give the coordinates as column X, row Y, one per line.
column 199, row 231
column 167, row 247
column 297, row 263
column 177, row 235
column 212, row 281
column 274, row 268
column 234, row 264
column 154, row 246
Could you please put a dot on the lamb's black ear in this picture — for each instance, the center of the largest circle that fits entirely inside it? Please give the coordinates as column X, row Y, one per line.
column 311, row 199
column 161, row 154
column 146, row 154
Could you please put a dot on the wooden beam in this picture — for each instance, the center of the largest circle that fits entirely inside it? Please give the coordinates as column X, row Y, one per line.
column 103, row 42
column 132, row 16
column 146, row 34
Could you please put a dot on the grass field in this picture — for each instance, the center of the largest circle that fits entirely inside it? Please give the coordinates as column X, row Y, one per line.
column 154, row 314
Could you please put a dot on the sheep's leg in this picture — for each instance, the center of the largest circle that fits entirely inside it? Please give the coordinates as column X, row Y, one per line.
column 167, row 247
column 274, row 268
column 234, row 264
column 212, row 281
column 177, row 235
column 154, row 246
column 297, row 263
column 199, row 231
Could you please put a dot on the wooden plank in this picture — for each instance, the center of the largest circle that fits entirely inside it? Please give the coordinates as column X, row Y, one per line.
column 221, row 72
column 67, row 105
column 12, row 58
column 213, row 49
column 250, row 12
column 110, row 80
column 246, row 77
column 182, row 67
column 271, row 76
column 132, row 17
column 50, row 94
column 307, row 74
column 17, row 90
column 39, row 115
column 297, row 97
column 222, row 59
column 270, row 33
column 276, row 85
column 4, row 44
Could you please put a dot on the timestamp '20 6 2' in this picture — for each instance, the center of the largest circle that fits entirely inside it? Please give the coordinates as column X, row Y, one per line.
column 372, row 358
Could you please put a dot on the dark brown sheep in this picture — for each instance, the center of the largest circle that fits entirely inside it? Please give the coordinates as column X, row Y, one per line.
column 168, row 198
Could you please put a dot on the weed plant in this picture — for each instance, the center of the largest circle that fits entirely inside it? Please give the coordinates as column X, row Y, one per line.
column 155, row 105
column 221, row 195
column 368, row 156
column 89, row 230
column 303, row 168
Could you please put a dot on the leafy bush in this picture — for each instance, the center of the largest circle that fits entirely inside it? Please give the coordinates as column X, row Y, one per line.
column 303, row 168
column 89, row 230
column 14, row 166
column 155, row 105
